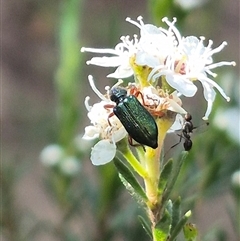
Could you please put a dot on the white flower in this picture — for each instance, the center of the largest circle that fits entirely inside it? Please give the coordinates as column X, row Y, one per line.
column 120, row 59
column 155, row 103
column 190, row 4
column 70, row 166
column 224, row 119
column 192, row 61
column 155, row 44
column 236, row 179
column 105, row 150
column 51, row 155
column 81, row 144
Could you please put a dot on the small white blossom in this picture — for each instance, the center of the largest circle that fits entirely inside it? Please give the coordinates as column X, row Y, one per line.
column 81, row 144
column 190, row 4
column 224, row 119
column 155, row 44
column 105, row 150
column 120, row 59
column 51, row 155
column 168, row 102
column 190, row 62
column 70, row 165
column 236, row 179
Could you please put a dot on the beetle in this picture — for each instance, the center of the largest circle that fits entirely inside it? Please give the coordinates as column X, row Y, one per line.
column 138, row 122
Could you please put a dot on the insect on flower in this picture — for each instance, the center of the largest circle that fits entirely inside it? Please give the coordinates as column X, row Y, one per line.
column 138, row 122
column 186, row 133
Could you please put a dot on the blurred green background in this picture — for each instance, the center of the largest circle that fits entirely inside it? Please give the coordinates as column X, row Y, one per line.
column 43, row 87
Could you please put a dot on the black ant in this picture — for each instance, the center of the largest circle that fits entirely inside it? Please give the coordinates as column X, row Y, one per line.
column 186, row 133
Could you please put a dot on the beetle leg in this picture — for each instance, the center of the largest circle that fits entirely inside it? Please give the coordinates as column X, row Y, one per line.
column 130, row 141
column 110, row 115
column 108, row 106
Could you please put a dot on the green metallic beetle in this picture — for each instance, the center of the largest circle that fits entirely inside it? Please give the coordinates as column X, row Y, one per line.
column 137, row 121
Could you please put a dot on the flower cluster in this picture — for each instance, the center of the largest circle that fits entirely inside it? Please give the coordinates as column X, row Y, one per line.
column 55, row 156
column 165, row 66
column 166, row 54
column 108, row 128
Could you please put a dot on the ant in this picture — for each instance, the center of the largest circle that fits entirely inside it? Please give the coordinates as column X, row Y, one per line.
column 186, row 133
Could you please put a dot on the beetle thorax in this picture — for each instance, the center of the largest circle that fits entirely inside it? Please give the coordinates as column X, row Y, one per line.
column 118, row 94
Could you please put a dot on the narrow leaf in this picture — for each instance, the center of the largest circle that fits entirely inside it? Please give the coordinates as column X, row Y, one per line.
column 174, row 175
column 176, row 213
column 164, row 176
column 146, row 226
column 180, row 226
column 162, row 228
column 127, row 174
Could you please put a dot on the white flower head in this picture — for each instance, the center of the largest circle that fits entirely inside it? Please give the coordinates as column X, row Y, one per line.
column 157, row 102
column 108, row 129
column 155, row 44
column 81, row 144
column 192, row 61
column 181, row 60
column 51, row 155
column 236, row 179
column 190, row 4
column 70, row 166
column 120, row 59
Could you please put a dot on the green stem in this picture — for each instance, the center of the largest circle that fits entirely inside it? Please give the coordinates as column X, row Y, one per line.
column 127, row 153
column 152, row 162
column 67, row 75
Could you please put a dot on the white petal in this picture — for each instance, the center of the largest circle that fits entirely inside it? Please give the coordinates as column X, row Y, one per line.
column 209, row 95
column 177, row 125
column 91, row 132
column 143, row 58
column 182, row 85
column 121, row 72
column 96, row 50
column 119, row 134
column 105, row 61
column 212, row 84
column 103, row 152
column 176, row 107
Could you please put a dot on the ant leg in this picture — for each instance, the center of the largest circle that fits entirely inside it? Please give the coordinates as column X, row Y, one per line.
column 180, row 139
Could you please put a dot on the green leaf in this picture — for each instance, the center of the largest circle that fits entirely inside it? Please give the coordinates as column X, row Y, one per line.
column 162, row 228
column 164, row 176
column 129, row 177
column 169, row 207
column 179, row 226
column 174, row 175
column 146, row 226
column 176, row 213
column 190, row 232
